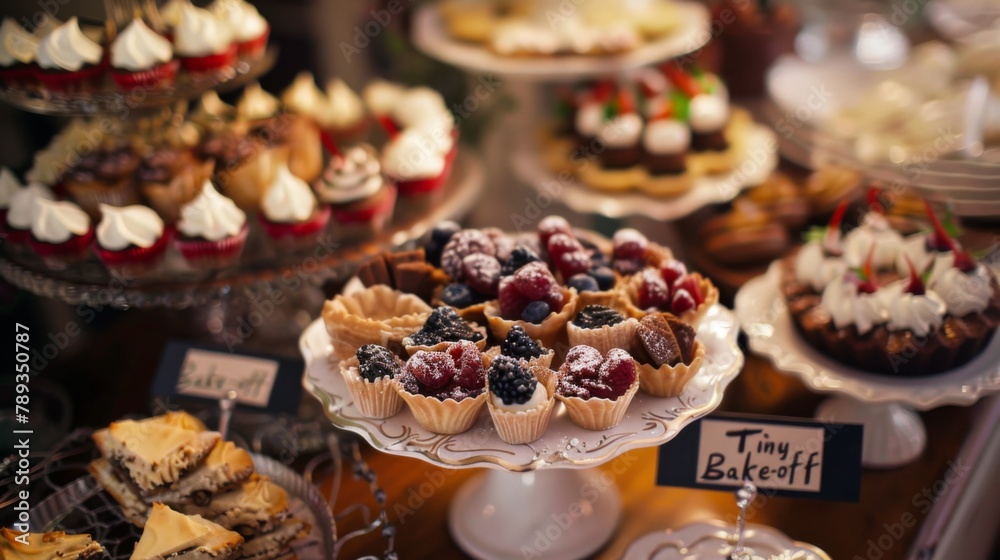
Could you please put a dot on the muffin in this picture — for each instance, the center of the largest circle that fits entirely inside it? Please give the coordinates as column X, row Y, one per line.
column 60, row 232
column 141, row 58
column 520, row 399
column 212, row 230
column 69, row 61
column 203, row 42
column 105, row 175
column 169, row 177
column 289, row 213
column 8, row 186
column 132, row 239
column 445, row 390
column 369, row 376
column 596, row 389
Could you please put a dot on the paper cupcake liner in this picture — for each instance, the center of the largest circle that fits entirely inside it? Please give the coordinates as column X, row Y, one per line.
column 68, row 82
column 200, row 253
column 613, row 298
column 18, row 74
column 158, row 76
column 605, row 338
column 442, row 417
column 525, row 426
column 375, row 315
column 210, row 63
column 374, row 399
column 543, row 361
column 669, row 381
column 296, row 235
column 549, row 332
column 92, row 194
column 598, row 414
column 254, row 47
column 136, row 260
column 709, row 295
column 413, row 187
column 370, row 215
column 15, row 236
column 59, row 255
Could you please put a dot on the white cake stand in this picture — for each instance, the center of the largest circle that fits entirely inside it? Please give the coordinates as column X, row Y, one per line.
column 546, row 495
column 894, row 433
column 715, row 541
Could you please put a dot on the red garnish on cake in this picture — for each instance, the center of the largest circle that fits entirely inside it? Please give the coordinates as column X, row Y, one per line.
column 602, row 90
column 874, row 202
column 328, row 143
column 916, row 284
column 681, row 79
column 941, row 241
column 625, row 102
column 831, row 242
column 866, row 275
column 389, row 126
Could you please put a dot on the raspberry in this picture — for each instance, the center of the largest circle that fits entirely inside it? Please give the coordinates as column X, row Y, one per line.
column 519, row 257
column 582, row 362
column 561, row 243
column 551, row 225
column 626, row 267
column 462, row 244
column 576, row 262
column 432, row 369
column 375, row 362
column 510, row 381
column 618, row 371
column 630, row 244
column 672, row 270
column 690, row 284
column 468, row 365
column 511, row 302
column 519, row 345
column 501, row 241
column 653, row 291
column 534, row 281
column 556, row 301
column 598, row 389
column 682, row 302
column 482, row 273
column 597, row 316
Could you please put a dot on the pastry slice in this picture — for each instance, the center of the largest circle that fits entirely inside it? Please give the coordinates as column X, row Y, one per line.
column 224, row 468
column 156, row 452
column 258, row 506
column 133, row 508
column 274, row 545
column 173, row 535
column 15, row 545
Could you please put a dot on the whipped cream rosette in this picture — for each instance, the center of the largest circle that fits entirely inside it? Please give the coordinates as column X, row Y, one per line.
column 212, row 230
column 290, row 215
column 353, row 186
column 21, row 210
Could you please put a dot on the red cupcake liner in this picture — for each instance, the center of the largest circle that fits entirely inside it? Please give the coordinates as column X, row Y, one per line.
column 16, row 236
column 201, row 253
column 254, row 47
column 312, row 227
column 58, row 254
column 422, row 186
column 157, row 76
column 18, row 74
column 369, row 214
column 136, row 255
column 210, row 63
column 65, row 82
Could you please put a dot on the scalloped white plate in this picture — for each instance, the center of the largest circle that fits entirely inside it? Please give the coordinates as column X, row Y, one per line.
column 650, row 421
column 714, row 541
column 764, row 317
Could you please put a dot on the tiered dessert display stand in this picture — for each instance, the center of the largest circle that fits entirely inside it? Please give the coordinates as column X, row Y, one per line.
column 886, row 406
column 526, row 487
column 715, row 541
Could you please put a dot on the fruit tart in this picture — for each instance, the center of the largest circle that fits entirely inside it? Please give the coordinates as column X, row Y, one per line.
column 597, row 389
column 520, row 400
column 369, row 376
column 443, row 328
column 376, row 315
column 445, row 390
column 668, row 356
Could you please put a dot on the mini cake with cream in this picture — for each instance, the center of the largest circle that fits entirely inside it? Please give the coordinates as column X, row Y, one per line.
column 68, row 60
column 131, row 238
column 142, row 58
column 289, row 213
column 353, row 186
column 212, row 230
column 203, row 41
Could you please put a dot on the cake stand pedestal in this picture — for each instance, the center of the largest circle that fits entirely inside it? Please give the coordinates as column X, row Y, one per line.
column 894, row 433
column 547, row 495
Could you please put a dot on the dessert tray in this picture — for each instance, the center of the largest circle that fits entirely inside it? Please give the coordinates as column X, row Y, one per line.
column 715, row 541
column 758, row 163
column 894, row 433
column 431, row 37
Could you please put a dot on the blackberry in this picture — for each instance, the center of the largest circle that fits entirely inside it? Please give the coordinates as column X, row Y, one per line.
column 597, row 316
column 519, row 345
column 519, row 257
column 444, row 324
column 510, row 382
column 443, row 231
column 376, row 362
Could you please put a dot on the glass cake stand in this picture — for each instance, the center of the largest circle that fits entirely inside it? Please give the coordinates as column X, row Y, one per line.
column 262, row 267
column 894, row 433
column 758, row 162
column 531, row 486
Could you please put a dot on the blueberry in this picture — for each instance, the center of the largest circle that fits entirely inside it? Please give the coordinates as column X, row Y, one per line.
column 536, row 312
column 457, row 295
column 583, row 283
column 598, row 258
column 604, row 276
column 442, row 233
column 519, row 257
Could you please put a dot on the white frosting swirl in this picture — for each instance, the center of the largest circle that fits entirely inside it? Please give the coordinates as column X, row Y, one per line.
column 873, row 229
column 417, row 105
column 344, row 107
column 915, row 248
column 963, row 292
column 288, row 199
column 589, row 118
column 921, row 314
column 666, row 136
column 16, row 44
column 354, row 175
column 847, row 306
column 139, row 48
column 707, row 113
column 201, row 33
column 212, row 107
column 815, row 268
column 123, row 226
column 211, row 216
column 68, row 49
column 243, row 19
column 413, row 154
column 9, row 185
column 380, row 96
column 57, row 221
column 538, row 398
column 255, row 103
column 622, row 131
column 23, row 203
column 304, row 96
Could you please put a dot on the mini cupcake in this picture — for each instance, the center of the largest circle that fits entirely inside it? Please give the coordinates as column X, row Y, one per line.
column 380, row 96
column 354, row 188
column 376, row 315
column 171, row 13
column 344, row 117
column 131, row 239
column 417, row 105
column 369, row 376
column 68, row 60
column 21, row 211
column 18, row 50
column 8, row 186
column 601, row 327
column 60, row 232
column 669, row 356
column 203, row 41
column 141, row 58
column 106, row 175
column 169, row 177
column 250, row 30
column 414, row 163
column 442, row 328
column 303, row 97
column 289, row 213
column 520, row 399
column 445, row 390
column 533, row 299
column 708, row 116
column 212, row 230
column 665, row 144
column 597, row 389
column 283, row 134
